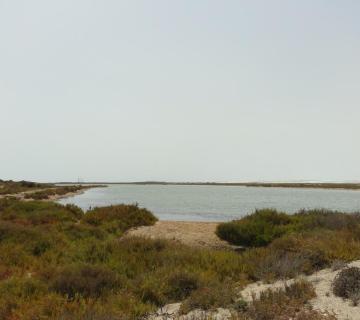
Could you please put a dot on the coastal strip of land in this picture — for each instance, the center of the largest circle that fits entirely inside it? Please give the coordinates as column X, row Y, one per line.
column 27, row 191
column 309, row 185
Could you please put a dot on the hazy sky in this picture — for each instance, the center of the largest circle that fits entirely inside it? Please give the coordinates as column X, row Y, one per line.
column 180, row 90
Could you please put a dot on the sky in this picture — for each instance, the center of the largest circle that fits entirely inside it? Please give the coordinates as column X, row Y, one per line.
column 135, row 90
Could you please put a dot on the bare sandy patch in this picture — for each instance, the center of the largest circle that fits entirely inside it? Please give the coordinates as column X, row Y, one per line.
column 199, row 234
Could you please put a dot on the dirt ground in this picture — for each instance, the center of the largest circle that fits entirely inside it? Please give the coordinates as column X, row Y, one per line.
column 199, row 234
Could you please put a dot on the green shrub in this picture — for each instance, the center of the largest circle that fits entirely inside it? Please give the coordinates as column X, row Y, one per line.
column 152, row 291
column 16, row 292
column 82, row 231
column 85, row 281
column 264, row 226
column 258, row 229
column 32, row 239
column 325, row 219
column 37, row 212
column 119, row 218
column 22, row 288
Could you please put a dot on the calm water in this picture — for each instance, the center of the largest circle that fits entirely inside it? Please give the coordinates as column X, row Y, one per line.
column 215, row 203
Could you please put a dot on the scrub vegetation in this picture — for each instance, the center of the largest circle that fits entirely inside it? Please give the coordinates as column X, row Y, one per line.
column 12, row 187
column 264, row 226
column 46, row 194
column 311, row 185
column 347, row 284
column 58, row 263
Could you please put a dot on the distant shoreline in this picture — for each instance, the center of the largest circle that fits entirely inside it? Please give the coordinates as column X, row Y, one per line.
column 310, row 185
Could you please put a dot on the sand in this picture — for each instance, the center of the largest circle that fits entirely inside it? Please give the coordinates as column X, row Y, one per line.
column 199, row 234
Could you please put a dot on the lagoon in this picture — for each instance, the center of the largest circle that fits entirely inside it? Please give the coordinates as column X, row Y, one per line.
column 215, row 203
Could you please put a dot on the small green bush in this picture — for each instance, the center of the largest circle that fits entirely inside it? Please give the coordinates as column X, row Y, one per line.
column 119, row 218
column 258, row 229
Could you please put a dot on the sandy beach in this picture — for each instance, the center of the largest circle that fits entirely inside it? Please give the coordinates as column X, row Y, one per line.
column 199, row 234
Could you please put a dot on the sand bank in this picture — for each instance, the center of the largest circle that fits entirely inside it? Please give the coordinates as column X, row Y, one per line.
column 199, row 234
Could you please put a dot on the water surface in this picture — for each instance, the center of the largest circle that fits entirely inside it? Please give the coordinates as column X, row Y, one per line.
column 215, row 203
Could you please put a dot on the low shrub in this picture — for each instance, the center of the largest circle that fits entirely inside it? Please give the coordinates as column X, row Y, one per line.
column 33, row 240
column 37, row 212
column 16, row 292
column 325, row 219
column 307, row 314
column 258, row 229
column 295, row 254
column 278, row 265
column 264, row 226
column 181, row 284
column 282, row 303
column 21, row 288
column 347, row 283
column 152, row 291
column 85, row 281
column 119, row 218
column 210, row 297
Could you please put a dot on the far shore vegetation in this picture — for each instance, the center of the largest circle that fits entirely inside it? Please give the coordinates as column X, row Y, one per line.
column 12, row 187
column 57, row 262
column 39, row 191
column 311, row 185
